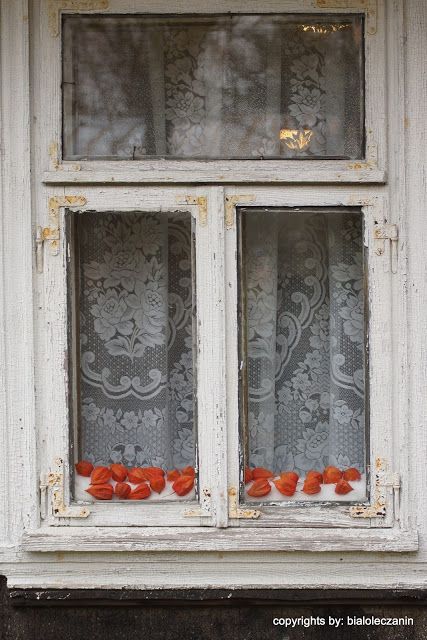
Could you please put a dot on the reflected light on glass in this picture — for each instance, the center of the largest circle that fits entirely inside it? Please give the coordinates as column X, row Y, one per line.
column 325, row 28
column 296, row 139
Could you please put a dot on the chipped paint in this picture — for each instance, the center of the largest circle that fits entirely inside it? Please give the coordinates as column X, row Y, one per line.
column 51, row 233
column 370, row 7
column 54, row 162
column 55, row 486
column 230, row 206
column 201, row 202
column 204, row 510
column 234, row 511
column 390, row 233
column 379, row 505
column 55, row 7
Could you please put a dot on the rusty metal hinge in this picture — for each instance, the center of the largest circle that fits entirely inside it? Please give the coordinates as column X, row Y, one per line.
column 52, row 495
column 386, row 237
column 235, row 511
column 51, row 234
column 384, row 484
column 230, row 205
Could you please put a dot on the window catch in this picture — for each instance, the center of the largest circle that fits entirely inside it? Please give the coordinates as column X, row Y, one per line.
column 389, row 233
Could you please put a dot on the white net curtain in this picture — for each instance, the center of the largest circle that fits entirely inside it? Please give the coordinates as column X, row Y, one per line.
column 135, row 294
column 248, row 86
column 305, row 339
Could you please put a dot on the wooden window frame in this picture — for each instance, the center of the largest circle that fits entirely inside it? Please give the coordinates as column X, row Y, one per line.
column 324, row 182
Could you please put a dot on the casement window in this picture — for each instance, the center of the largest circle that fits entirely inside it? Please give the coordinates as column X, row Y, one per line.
column 217, row 277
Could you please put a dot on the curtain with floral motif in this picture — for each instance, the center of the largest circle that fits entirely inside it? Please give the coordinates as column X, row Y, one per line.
column 305, row 340
column 136, row 339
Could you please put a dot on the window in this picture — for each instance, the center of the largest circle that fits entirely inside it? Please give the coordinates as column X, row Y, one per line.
column 224, row 289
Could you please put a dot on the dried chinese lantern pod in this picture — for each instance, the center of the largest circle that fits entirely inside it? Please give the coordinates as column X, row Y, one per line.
column 289, row 475
column 158, row 483
column 331, row 475
column 119, row 472
column 183, row 485
column 352, row 474
column 285, row 486
column 136, row 475
column 122, row 490
column 261, row 472
column 259, row 488
column 101, row 491
column 100, row 475
column 188, row 471
column 84, row 468
column 316, row 475
column 173, row 475
column 343, row 487
column 311, row 486
column 140, row 492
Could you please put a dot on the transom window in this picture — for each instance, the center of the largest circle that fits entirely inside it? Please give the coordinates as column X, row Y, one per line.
column 220, row 86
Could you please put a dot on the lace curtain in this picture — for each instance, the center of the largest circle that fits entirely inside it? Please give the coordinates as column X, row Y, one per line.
column 223, row 86
column 305, row 340
column 136, row 339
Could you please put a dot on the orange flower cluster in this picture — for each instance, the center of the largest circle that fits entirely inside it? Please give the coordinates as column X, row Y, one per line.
column 146, row 479
column 287, row 481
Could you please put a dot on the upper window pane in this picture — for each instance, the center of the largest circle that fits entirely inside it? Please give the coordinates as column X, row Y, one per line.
column 235, row 86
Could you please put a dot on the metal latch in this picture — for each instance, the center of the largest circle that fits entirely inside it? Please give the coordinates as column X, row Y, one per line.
column 386, row 237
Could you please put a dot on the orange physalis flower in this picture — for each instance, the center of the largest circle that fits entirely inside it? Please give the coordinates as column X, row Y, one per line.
column 248, row 475
column 183, row 485
column 140, row 492
column 343, row 487
column 101, row 491
column 331, row 475
column 289, row 475
column 260, row 472
column 157, row 484
column 316, row 475
column 119, row 472
column 84, row 468
column 100, row 475
column 122, row 490
column 285, row 486
column 259, row 488
column 311, row 486
column 351, row 474
column 173, row 475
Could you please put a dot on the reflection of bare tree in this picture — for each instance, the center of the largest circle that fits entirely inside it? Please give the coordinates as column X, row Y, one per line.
column 210, row 87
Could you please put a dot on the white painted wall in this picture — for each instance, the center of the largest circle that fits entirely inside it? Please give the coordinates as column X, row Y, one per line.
column 406, row 53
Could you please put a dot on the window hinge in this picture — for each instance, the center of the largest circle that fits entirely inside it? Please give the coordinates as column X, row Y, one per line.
column 230, row 205
column 51, row 234
column 386, row 238
column 52, row 491
column 385, row 483
column 234, row 511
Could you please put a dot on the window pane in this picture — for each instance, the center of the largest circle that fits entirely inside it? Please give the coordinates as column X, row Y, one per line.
column 235, row 86
column 304, row 349
column 133, row 317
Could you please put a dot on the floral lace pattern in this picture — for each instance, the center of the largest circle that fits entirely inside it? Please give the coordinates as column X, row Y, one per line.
column 136, row 339
column 305, row 333
column 227, row 87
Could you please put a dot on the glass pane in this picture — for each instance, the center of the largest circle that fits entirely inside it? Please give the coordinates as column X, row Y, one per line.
column 133, row 308
column 304, row 349
column 234, row 86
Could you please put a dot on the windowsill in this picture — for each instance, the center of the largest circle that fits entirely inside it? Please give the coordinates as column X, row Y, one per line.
column 207, row 539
